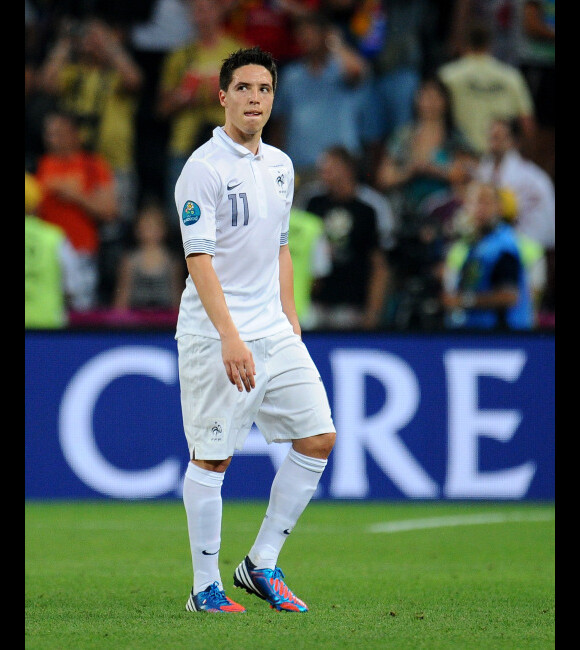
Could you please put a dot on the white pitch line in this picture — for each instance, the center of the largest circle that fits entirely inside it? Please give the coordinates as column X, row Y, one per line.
column 457, row 520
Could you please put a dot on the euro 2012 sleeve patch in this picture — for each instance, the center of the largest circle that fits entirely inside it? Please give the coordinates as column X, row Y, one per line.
column 190, row 213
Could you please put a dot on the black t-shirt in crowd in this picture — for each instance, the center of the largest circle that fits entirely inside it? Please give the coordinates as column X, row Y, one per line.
column 351, row 229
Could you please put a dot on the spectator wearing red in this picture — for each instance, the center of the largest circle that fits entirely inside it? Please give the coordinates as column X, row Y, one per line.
column 269, row 24
column 78, row 195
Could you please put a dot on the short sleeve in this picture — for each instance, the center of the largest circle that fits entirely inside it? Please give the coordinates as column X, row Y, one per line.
column 196, row 200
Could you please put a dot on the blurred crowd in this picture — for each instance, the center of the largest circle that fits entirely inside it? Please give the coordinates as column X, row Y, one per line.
column 422, row 134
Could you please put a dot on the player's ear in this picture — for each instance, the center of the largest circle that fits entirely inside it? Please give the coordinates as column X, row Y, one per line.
column 222, row 97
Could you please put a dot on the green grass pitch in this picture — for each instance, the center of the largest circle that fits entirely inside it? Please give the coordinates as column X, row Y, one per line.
column 116, row 575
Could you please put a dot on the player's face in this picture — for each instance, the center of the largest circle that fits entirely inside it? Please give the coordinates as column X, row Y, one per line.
column 248, row 100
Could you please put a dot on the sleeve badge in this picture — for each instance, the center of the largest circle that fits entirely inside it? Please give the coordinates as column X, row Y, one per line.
column 190, row 213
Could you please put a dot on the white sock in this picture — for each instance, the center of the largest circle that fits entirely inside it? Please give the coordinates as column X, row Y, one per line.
column 292, row 488
column 202, row 498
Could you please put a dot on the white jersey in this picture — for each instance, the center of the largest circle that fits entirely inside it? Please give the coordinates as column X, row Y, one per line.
column 235, row 206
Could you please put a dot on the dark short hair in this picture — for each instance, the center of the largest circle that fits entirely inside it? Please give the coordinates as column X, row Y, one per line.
column 247, row 56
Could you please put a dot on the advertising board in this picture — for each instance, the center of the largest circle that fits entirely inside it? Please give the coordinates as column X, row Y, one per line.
column 434, row 416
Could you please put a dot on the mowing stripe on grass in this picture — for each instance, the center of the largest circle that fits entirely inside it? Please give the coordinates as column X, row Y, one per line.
column 458, row 520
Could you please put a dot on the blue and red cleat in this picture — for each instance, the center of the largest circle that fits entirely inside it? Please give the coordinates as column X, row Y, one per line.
column 269, row 585
column 213, row 599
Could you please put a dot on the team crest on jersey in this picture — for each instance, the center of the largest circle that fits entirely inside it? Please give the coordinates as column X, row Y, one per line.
column 281, row 177
column 190, row 213
column 216, row 429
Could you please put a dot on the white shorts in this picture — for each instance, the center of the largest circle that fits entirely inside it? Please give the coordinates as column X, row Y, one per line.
column 288, row 402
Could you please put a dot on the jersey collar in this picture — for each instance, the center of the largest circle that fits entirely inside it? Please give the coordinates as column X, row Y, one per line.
column 224, row 140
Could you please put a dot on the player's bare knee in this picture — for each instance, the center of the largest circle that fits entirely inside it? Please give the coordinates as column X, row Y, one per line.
column 213, row 465
column 328, row 440
column 318, row 446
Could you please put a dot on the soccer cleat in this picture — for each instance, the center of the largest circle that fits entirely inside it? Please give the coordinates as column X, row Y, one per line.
column 269, row 585
column 212, row 599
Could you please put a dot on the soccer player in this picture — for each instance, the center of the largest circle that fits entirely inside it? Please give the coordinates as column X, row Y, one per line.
column 241, row 356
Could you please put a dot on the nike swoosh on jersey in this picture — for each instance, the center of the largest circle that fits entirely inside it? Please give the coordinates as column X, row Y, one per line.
column 287, row 531
column 231, row 187
column 207, row 553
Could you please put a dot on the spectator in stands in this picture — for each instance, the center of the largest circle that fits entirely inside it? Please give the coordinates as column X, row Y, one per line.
column 421, row 156
column 537, row 61
column 440, row 207
column 78, row 194
column 533, row 254
column 50, row 266
column 164, row 28
column 151, row 276
column 36, row 106
column 500, row 15
column 534, row 190
column 93, row 75
column 361, row 24
column 504, row 165
column 387, row 220
column 423, row 163
column 352, row 294
column 36, row 103
column 320, row 97
column 310, row 252
column 487, row 289
column 188, row 94
column 483, row 88
column 394, row 43
column 268, row 24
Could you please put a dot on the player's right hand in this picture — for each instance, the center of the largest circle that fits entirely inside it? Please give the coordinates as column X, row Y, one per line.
column 239, row 363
